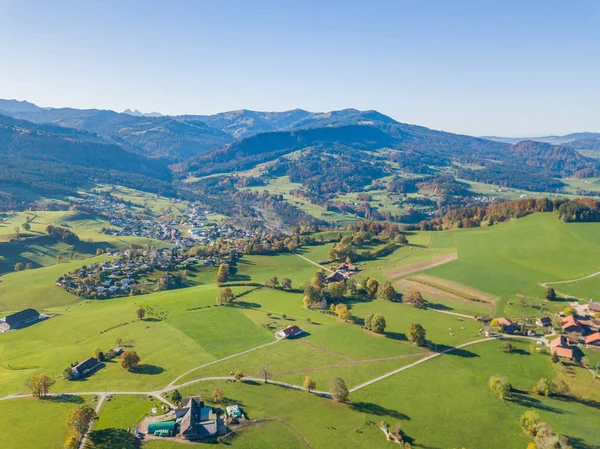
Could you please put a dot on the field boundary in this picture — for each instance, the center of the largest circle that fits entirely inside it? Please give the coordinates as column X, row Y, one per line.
column 421, row 266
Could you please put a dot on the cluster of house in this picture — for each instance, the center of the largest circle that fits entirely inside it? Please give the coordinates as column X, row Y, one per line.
column 118, row 276
column 577, row 331
column 194, row 420
column 88, row 366
column 342, row 273
column 20, row 319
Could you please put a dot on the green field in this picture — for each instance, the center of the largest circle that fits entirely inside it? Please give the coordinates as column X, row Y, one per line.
column 444, row 402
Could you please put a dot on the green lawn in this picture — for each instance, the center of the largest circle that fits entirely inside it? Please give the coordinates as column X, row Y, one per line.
column 34, row 423
column 511, row 259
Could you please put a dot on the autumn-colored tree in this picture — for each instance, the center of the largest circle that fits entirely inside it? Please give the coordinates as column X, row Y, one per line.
column 309, row 383
column 73, row 439
column 542, row 387
column 569, row 311
column 318, row 280
column 19, row 266
column 140, row 313
column 130, row 360
column 336, row 290
column 500, row 387
column 238, row 376
column 272, row 282
column 80, row 418
column 225, row 296
column 528, row 422
column 378, row 324
column 218, row 395
column 338, row 389
column 342, row 312
column 371, row 286
column 416, row 333
column 40, row 385
column 223, row 273
column 414, row 298
column 368, row 320
column 386, row 291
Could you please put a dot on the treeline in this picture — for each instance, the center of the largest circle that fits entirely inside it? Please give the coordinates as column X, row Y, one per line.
column 578, row 210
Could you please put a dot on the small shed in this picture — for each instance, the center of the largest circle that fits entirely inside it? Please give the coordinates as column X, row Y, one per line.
column 162, row 428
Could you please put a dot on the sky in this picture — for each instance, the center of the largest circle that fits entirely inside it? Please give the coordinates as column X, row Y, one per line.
column 479, row 67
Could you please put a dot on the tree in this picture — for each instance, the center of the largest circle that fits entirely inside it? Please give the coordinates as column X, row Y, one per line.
column 72, row 441
column 414, row 298
column 130, row 360
column 318, row 280
column 40, row 385
column 542, row 387
column 570, row 311
column 19, row 266
column 98, row 354
column 223, row 273
column 342, row 312
column 286, row 283
column 225, row 296
column 26, row 226
column 528, row 421
column 550, row 294
column 140, row 313
column 507, row 346
column 218, row 395
column 80, row 418
column 371, row 286
column 416, row 333
column 272, row 282
column 309, row 383
column 387, row 291
column 368, row 321
column 338, row 389
column 238, row 376
column 176, row 397
column 28, row 266
column 378, row 324
column 336, row 290
column 500, row 387
column 264, row 370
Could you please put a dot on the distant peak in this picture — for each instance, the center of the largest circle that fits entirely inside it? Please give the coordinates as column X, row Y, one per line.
column 137, row 113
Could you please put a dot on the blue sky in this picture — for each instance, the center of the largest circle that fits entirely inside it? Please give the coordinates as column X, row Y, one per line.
column 514, row 68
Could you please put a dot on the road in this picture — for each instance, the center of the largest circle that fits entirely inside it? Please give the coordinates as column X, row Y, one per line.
column 314, row 263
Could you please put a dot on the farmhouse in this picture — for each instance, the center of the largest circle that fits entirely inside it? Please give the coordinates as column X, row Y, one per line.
column 560, row 347
column 20, row 319
column 593, row 307
column 335, row 277
column 347, row 268
column 507, row 325
column 593, row 339
column 544, row 321
column 196, row 421
column 86, row 367
column 289, row 332
column 572, row 324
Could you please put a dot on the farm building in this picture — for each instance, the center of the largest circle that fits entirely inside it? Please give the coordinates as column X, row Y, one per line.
column 86, row 368
column 20, row 319
column 559, row 347
column 162, row 428
column 348, row 268
column 196, row 421
column 508, row 326
column 593, row 339
column 572, row 324
column 335, row 277
column 544, row 322
column 593, row 307
column 289, row 332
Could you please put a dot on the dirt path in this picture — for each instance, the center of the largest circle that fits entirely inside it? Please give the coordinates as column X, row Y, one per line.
column 568, row 281
column 220, row 360
column 404, row 271
column 84, row 438
column 314, row 263
column 327, row 351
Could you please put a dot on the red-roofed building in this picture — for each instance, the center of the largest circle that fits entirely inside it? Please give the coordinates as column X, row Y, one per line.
column 559, row 347
column 572, row 324
column 593, row 339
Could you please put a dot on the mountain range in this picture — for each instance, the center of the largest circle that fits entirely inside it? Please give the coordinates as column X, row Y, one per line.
column 134, row 148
